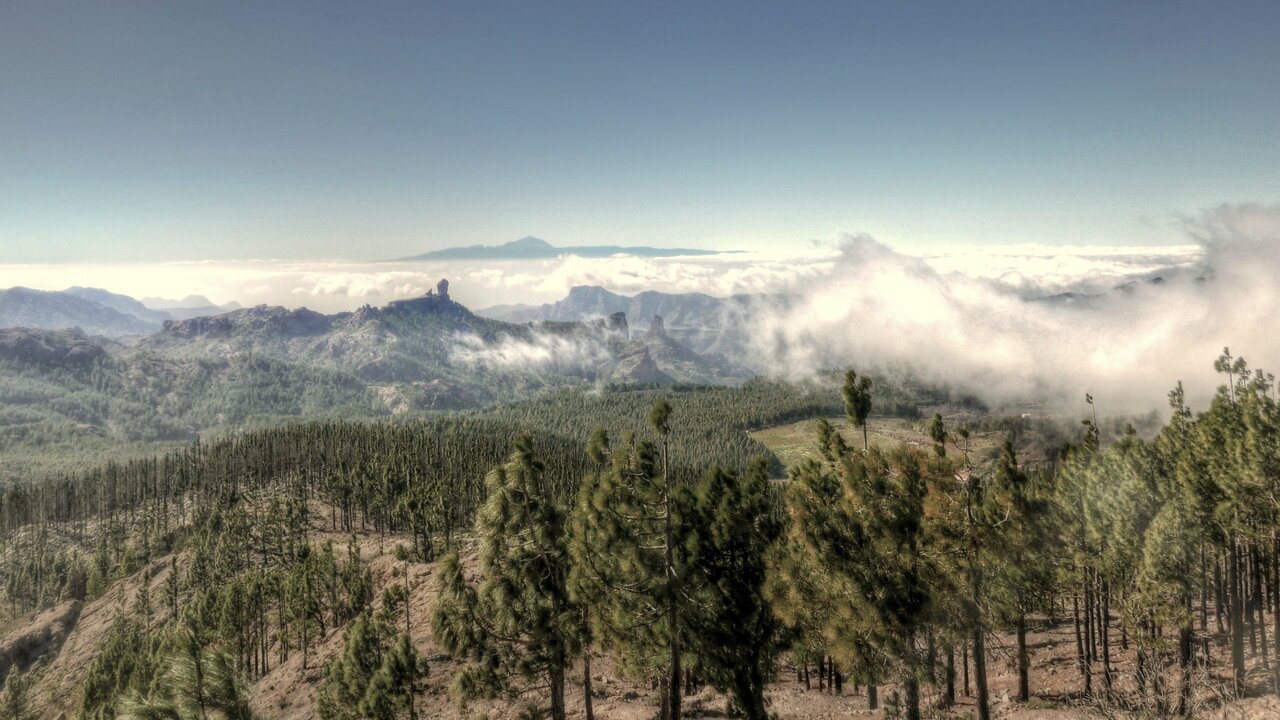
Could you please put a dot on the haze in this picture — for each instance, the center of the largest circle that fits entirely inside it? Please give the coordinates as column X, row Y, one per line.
column 918, row 177
column 136, row 132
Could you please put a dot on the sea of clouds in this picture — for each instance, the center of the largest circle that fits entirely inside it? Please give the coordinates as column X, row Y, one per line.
column 973, row 316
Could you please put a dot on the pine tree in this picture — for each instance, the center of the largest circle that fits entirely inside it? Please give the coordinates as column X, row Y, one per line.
column 857, row 402
column 14, row 703
column 863, row 520
column 629, row 548
column 659, row 419
column 585, row 572
column 395, row 684
column 1025, row 547
column 347, row 677
column 938, row 433
column 520, row 623
column 733, row 632
column 194, row 683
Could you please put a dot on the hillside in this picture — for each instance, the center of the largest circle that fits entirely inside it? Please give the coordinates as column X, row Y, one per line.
column 66, row 396
column 75, row 641
column 22, row 307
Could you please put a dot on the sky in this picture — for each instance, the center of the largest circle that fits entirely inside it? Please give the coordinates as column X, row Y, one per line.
column 135, row 132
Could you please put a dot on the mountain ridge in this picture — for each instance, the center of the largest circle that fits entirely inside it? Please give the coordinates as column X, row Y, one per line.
column 53, row 310
column 532, row 248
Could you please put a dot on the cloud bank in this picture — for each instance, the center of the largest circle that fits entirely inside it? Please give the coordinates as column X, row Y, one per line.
column 972, row 316
column 977, row 330
column 541, row 351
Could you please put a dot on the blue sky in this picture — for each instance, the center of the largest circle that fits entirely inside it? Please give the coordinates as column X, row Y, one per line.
column 174, row 130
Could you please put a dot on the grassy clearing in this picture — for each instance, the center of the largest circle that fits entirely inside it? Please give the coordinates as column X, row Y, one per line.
column 795, row 442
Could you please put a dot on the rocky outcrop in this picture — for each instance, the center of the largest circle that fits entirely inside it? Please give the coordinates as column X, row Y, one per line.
column 637, row 366
column 657, row 328
column 618, row 325
column 263, row 320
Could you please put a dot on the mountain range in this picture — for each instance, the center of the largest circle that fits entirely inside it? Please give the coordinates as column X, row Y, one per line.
column 532, row 248
column 706, row 324
column 97, row 311
column 254, row 366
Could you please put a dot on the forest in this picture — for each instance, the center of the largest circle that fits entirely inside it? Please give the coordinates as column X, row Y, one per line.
column 645, row 532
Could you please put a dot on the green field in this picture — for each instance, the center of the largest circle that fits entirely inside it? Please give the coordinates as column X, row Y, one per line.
column 796, row 442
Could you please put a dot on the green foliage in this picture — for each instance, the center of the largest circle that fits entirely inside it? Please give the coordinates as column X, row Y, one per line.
column 396, row 683
column 14, row 701
column 732, row 630
column 861, row 520
column 618, row 548
column 520, row 625
column 194, row 683
column 857, row 400
column 127, row 662
column 348, row 678
column 635, row 548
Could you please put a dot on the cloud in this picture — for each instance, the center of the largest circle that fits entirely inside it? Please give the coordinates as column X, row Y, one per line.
column 977, row 330
column 1037, row 270
column 963, row 314
column 539, row 351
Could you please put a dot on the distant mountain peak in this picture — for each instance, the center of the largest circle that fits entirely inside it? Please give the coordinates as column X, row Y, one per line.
column 188, row 302
column 529, row 241
column 532, row 248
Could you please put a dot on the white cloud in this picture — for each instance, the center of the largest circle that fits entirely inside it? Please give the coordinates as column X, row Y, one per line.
column 976, row 329
column 959, row 312
column 541, row 351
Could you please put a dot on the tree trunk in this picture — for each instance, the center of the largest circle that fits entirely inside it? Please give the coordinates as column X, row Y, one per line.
column 980, row 673
column 586, row 686
column 673, row 626
column 951, row 676
column 1236, row 622
column 1075, row 620
column 1105, row 621
column 911, row 687
column 1185, row 634
column 557, row 694
column 749, row 693
column 1275, row 607
column 1090, row 647
column 1024, row 660
column 1219, row 598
